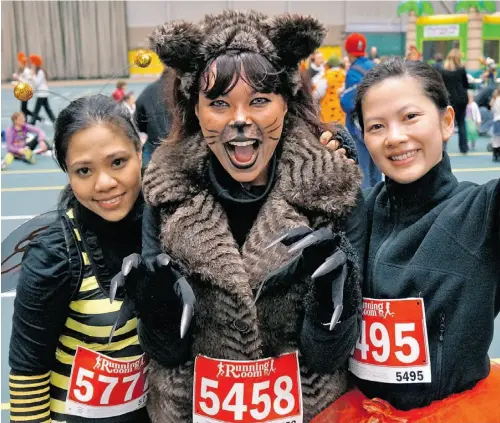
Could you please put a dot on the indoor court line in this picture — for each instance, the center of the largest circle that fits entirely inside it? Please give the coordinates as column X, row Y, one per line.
column 27, row 217
column 469, row 154
column 23, row 189
column 476, row 169
column 31, row 171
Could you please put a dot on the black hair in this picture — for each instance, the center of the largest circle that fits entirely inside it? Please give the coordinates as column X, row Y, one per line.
column 84, row 113
column 430, row 79
column 259, row 73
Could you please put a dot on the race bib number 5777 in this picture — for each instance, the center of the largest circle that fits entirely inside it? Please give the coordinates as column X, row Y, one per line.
column 101, row 386
column 266, row 390
column 393, row 345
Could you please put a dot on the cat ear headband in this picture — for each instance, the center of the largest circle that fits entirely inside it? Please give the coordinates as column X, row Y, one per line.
column 284, row 40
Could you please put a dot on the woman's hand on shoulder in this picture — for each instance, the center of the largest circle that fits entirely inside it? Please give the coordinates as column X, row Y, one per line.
column 333, row 145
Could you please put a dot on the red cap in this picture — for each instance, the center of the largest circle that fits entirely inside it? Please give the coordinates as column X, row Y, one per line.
column 36, row 60
column 21, row 57
column 355, row 45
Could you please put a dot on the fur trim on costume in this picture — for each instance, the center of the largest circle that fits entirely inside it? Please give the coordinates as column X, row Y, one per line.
column 313, row 187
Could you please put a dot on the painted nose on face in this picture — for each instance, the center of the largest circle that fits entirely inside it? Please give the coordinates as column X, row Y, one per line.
column 105, row 182
column 240, row 125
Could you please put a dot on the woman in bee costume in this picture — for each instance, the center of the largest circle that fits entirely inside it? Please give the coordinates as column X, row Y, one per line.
column 63, row 367
column 249, row 270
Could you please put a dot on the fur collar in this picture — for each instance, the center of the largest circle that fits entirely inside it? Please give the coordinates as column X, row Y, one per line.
column 308, row 176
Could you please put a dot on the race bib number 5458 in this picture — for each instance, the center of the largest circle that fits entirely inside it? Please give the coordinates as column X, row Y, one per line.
column 266, row 390
column 101, row 386
column 393, row 345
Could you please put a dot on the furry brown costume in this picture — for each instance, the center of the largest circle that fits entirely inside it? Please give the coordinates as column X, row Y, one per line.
column 312, row 187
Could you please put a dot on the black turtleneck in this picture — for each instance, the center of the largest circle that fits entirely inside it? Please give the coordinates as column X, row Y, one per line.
column 241, row 202
column 108, row 243
column 46, row 283
column 437, row 239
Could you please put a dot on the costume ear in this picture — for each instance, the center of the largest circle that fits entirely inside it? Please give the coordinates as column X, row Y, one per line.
column 295, row 37
column 176, row 44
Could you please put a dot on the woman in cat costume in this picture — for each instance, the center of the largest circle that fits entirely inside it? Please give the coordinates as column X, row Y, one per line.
column 248, row 286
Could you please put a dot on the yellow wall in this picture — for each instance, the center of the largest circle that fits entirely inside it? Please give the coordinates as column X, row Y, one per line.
column 329, row 51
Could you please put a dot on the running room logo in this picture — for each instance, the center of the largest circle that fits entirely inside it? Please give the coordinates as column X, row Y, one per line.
column 101, row 363
column 382, row 309
column 245, row 371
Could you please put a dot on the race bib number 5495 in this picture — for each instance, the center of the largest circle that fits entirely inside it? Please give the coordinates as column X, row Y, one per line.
column 393, row 345
column 266, row 390
column 101, row 386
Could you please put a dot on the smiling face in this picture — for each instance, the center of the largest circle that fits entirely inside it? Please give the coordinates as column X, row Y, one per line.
column 403, row 129
column 242, row 128
column 104, row 171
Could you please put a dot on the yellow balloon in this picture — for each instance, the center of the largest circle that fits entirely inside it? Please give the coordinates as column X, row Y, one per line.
column 23, row 91
column 143, row 58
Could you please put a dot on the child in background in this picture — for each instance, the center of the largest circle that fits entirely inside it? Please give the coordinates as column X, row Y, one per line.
column 17, row 141
column 119, row 93
column 24, row 74
column 495, row 140
column 472, row 120
column 129, row 102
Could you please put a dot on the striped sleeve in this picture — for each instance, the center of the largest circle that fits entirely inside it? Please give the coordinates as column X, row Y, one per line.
column 29, row 398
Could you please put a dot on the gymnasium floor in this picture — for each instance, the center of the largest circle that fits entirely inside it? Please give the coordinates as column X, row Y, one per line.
column 28, row 190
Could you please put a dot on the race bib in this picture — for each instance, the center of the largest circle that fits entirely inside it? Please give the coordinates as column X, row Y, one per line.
column 101, row 386
column 393, row 345
column 266, row 390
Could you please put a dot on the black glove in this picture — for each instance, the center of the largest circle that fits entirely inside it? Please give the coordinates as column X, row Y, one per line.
column 318, row 256
column 155, row 290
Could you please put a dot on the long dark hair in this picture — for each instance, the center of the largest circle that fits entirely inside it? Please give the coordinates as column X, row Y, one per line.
column 430, row 79
column 84, row 113
column 259, row 73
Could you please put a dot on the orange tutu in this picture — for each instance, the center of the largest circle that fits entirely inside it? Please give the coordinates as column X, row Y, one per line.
column 478, row 405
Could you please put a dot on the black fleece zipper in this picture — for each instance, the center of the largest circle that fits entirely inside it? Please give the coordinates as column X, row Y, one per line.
column 439, row 360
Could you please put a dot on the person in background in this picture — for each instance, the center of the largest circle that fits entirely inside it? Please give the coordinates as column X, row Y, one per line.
column 119, row 92
column 316, row 64
column 438, row 62
column 457, row 84
column 152, row 114
column 483, row 99
column 17, row 142
column 489, row 76
column 24, row 74
column 472, row 120
column 374, row 53
column 495, row 140
column 355, row 46
column 413, row 53
column 41, row 89
column 129, row 102
column 331, row 111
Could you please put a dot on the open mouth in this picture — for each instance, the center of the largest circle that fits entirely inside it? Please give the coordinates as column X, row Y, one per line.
column 243, row 154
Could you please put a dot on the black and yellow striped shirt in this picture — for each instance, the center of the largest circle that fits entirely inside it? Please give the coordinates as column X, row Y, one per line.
column 55, row 314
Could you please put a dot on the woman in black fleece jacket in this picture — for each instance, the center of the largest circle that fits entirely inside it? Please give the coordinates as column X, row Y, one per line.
column 431, row 285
